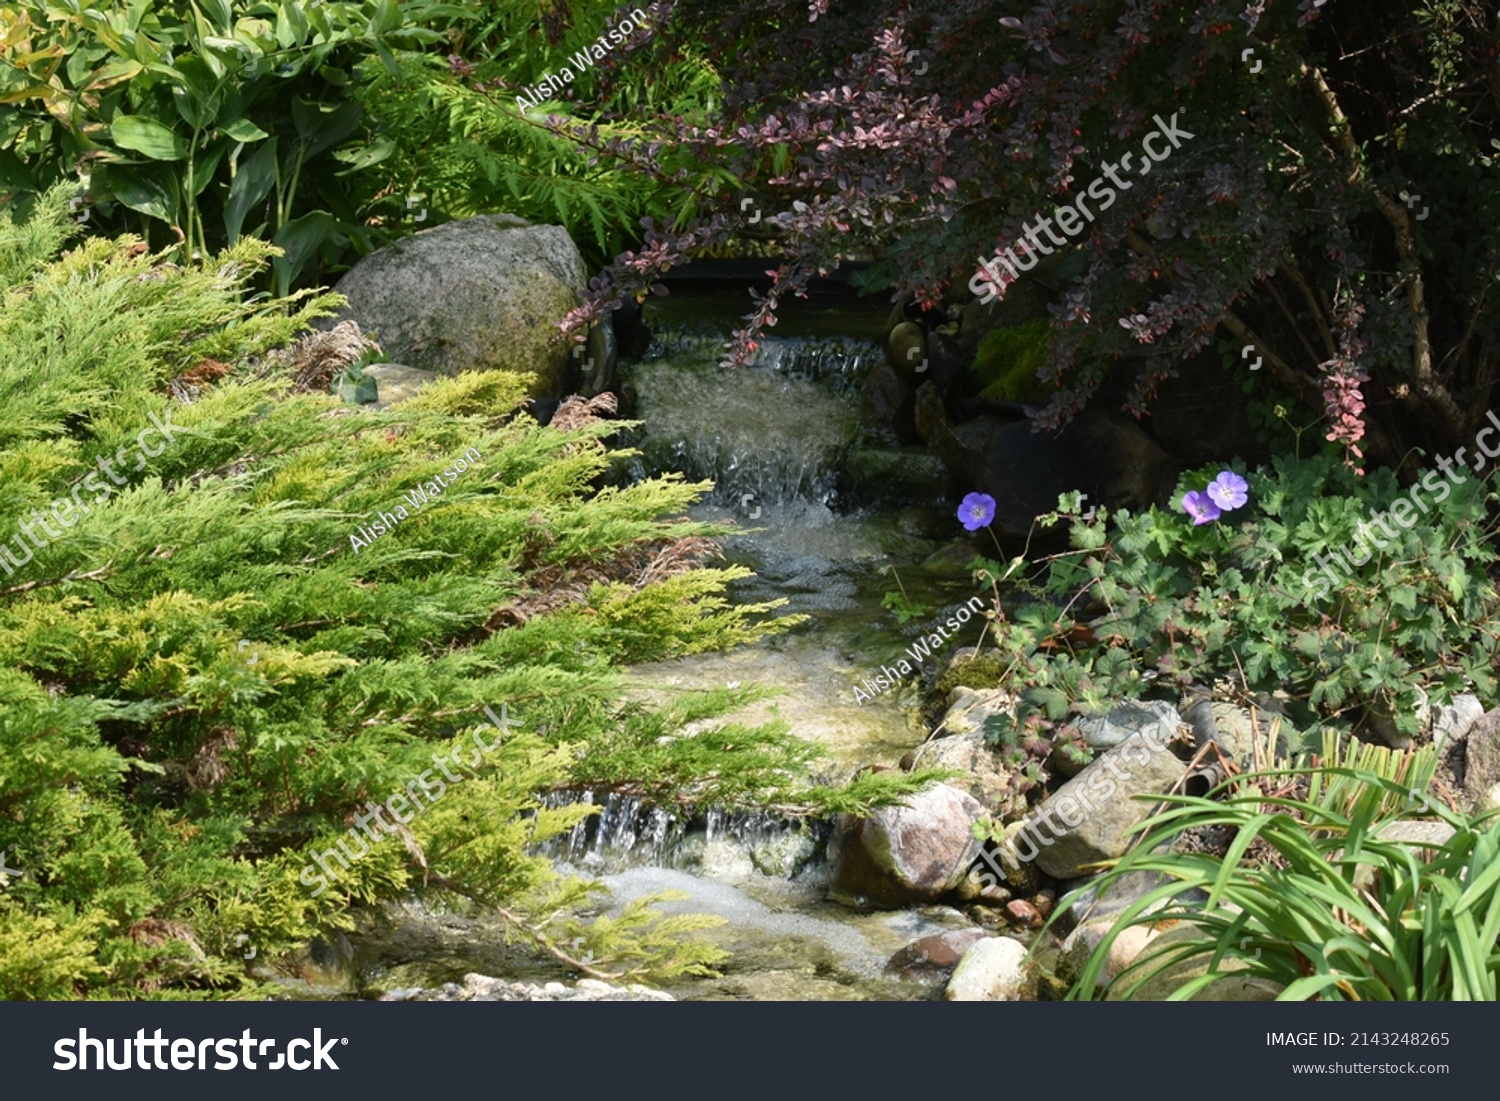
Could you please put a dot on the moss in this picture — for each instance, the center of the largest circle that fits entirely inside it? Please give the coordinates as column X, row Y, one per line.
column 980, row 672
column 1007, row 361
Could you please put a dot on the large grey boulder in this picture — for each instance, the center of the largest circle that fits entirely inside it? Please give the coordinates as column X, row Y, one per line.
column 480, row 294
column 1451, row 722
column 905, row 854
column 1089, row 818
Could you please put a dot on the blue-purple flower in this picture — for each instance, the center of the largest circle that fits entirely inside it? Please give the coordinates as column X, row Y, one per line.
column 977, row 510
column 1200, row 507
column 1224, row 494
column 1229, row 490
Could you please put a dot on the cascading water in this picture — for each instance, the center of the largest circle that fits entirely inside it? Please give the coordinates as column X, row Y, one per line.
column 773, row 432
column 773, row 437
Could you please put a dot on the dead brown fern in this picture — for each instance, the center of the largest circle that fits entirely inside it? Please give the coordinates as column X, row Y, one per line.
column 320, row 356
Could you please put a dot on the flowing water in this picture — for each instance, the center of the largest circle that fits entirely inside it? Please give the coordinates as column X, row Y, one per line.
column 773, row 438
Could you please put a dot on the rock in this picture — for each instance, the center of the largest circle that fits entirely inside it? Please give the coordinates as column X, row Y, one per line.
column 961, row 446
column 1090, row 817
column 986, row 778
column 906, row 351
column 784, row 854
column 1174, row 976
column 1109, row 458
column 483, row 988
column 911, row 476
column 1432, row 835
column 1023, row 914
column 1003, row 864
column 1177, row 421
column 1451, row 722
column 1094, row 903
column 994, row 896
column 1482, row 757
column 1044, row 900
column 396, row 382
column 477, row 294
column 887, row 404
column 933, row 958
column 1489, row 801
column 1156, row 719
column 992, row 970
column 970, row 708
column 904, row 854
column 1081, row 943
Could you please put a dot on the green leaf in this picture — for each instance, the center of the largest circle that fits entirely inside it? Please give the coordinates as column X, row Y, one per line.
column 291, row 25
column 243, row 130
column 300, row 239
column 366, row 157
column 147, row 137
column 251, row 184
column 322, row 127
column 141, row 189
column 205, row 164
column 355, row 387
column 13, row 173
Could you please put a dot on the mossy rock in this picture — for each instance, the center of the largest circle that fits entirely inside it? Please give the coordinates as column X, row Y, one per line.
column 971, row 672
column 1006, row 363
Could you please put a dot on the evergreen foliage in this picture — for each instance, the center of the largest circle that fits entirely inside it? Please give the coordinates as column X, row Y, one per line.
column 202, row 682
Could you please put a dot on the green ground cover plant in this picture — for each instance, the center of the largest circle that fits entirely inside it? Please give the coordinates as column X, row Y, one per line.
column 1151, row 604
column 202, row 682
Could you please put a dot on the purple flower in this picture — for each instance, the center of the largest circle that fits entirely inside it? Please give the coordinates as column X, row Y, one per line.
column 977, row 511
column 1200, row 508
column 1229, row 490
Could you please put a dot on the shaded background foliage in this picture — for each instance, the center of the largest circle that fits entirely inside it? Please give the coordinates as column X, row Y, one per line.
column 925, row 135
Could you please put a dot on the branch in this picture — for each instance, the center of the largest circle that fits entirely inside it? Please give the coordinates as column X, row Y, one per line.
column 1401, row 224
column 92, row 575
column 1312, row 353
column 1318, row 308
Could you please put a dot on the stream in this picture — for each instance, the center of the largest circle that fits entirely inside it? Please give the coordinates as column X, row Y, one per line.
column 773, row 437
